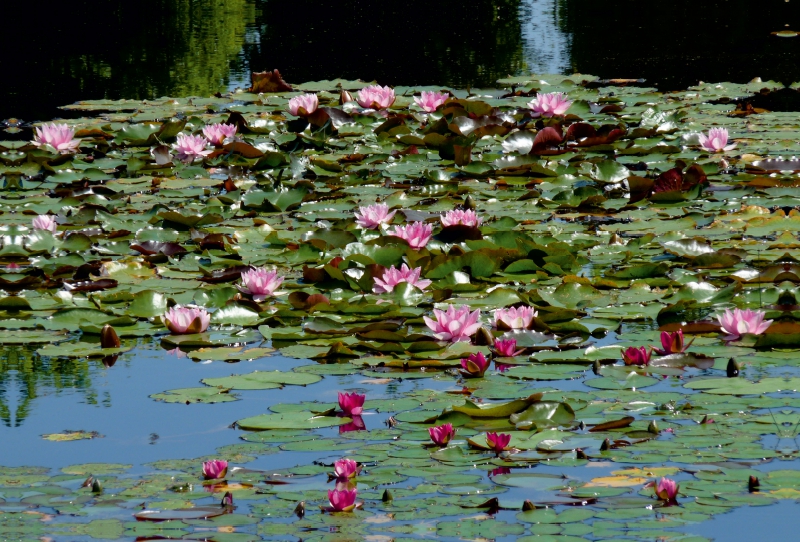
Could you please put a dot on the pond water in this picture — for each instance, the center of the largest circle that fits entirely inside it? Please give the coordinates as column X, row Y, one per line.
column 159, row 48
column 593, row 230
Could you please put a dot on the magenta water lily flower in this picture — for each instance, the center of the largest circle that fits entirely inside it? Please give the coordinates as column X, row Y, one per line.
column 429, row 101
column 345, row 468
column 672, row 343
column 515, row 317
column 666, row 489
column 189, row 147
column 416, row 234
column 58, row 136
column 550, row 104
column 474, row 366
column 352, row 404
column 454, row 325
column 636, row 356
column 393, row 276
column 342, row 500
column 45, row 222
column 716, row 140
column 497, row 441
column 375, row 97
column 214, row 469
column 182, row 320
column 507, row 348
column 464, row 218
column 216, row 134
column 302, row 106
column 737, row 322
column 260, row 283
column 372, row 216
column 441, row 435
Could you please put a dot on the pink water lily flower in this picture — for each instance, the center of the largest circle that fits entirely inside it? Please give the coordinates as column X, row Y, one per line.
column 214, row 469
column 636, row 356
column 352, row 404
column 182, row 320
column 474, row 366
column 342, row 500
column 672, row 343
column 58, row 136
column 260, row 283
column 515, row 317
column 442, row 434
column 454, row 325
column 497, row 441
column 393, row 276
column 716, row 140
column 375, row 97
column 345, row 468
column 372, row 216
column 550, row 104
column 189, row 147
column 417, row 234
column 464, row 218
column 45, row 222
column 304, row 105
column 429, row 101
column 507, row 348
column 666, row 489
column 216, row 134
column 737, row 322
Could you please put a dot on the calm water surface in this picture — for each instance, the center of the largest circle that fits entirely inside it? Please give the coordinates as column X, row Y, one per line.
column 153, row 48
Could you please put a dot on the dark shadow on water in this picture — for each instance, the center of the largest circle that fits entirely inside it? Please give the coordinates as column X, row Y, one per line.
column 676, row 44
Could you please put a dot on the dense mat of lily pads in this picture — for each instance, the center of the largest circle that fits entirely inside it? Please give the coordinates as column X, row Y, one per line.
column 593, row 278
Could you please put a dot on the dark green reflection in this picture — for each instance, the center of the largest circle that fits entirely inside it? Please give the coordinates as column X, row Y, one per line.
column 24, row 376
column 118, row 49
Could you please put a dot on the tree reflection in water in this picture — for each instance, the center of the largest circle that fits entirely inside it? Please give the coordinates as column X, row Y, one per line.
column 24, row 376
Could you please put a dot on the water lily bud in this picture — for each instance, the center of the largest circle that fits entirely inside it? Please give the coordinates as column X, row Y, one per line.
column 753, row 484
column 300, row 509
column 227, row 500
column 605, row 446
column 97, row 487
column 528, row 505
column 733, row 368
column 653, row 427
column 596, row 367
column 387, row 496
column 483, row 337
column 580, row 454
column 109, row 338
column 345, row 97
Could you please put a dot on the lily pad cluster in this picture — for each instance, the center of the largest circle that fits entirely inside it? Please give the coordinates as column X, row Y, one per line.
column 600, row 228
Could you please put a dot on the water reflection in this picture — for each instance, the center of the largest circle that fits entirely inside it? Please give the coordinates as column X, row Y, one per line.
column 25, row 376
column 153, row 48
column 545, row 43
column 142, row 49
column 408, row 43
